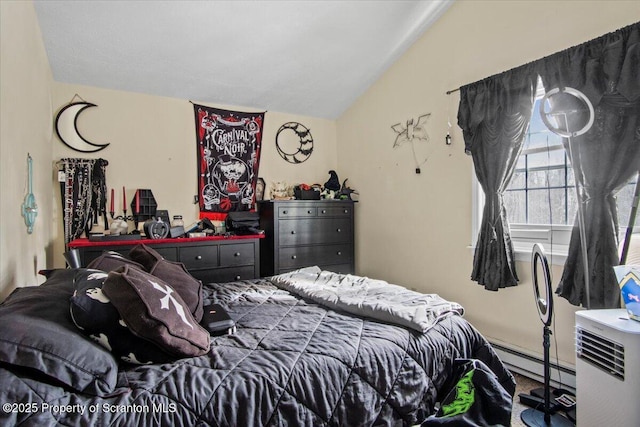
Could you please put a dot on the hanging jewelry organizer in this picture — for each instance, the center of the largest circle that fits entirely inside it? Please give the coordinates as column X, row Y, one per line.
column 83, row 192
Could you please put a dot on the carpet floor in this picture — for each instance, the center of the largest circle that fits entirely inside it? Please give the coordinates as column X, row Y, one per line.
column 523, row 385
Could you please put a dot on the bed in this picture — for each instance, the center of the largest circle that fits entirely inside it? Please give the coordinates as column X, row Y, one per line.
column 291, row 361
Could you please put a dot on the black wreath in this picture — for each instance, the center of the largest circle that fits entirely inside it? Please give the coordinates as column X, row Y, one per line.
column 306, row 143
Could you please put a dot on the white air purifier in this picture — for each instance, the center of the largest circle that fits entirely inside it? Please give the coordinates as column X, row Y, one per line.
column 607, row 369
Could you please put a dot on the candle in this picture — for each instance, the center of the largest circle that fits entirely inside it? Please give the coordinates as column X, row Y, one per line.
column 124, row 200
column 137, row 201
column 112, row 201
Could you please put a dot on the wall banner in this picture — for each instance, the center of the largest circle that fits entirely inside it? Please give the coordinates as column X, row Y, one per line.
column 228, row 159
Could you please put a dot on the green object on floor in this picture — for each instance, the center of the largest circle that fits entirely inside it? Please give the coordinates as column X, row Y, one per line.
column 465, row 397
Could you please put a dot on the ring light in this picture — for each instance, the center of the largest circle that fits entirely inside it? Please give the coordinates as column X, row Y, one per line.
column 545, row 306
column 545, row 416
column 577, row 94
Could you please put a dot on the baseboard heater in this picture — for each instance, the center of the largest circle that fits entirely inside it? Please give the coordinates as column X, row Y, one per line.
column 533, row 367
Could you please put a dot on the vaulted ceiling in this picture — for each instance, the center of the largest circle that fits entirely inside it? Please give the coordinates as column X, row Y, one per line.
column 304, row 57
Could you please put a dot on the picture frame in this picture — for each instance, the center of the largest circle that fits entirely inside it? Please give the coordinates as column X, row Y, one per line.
column 260, row 187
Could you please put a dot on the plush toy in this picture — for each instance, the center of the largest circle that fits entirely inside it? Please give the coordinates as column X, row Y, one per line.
column 346, row 192
column 280, row 191
column 333, row 183
column 328, row 194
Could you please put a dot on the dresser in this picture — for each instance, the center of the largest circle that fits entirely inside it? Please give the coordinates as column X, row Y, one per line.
column 210, row 259
column 302, row 233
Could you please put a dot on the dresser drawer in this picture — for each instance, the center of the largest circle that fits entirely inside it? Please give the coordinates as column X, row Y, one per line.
column 199, row 257
column 304, row 256
column 339, row 211
column 296, row 211
column 237, row 254
column 300, row 233
column 320, row 230
column 221, row 275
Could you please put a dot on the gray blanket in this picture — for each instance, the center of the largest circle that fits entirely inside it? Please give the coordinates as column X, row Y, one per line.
column 367, row 297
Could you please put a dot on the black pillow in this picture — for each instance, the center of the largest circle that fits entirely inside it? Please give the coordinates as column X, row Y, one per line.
column 93, row 313
column 110, row 261
column 36, row 332
column 155, row 311
column 174, row 273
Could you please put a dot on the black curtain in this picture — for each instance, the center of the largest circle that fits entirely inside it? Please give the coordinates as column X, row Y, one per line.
column 494, row 115
column 607, row 71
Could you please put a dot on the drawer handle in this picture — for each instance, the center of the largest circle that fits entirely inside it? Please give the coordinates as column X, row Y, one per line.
column 339, row 253
column 293, row 257
column 199, row 257
column 324, row 211
column 236, row 254
column 346, row 211
column 293, row 231
column 338, row 230
column 285, row 212
column 309, row 212
column 238, row 277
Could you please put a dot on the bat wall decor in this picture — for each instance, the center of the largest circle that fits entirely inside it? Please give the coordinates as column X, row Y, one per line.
column 304, row 144
column 411, row 132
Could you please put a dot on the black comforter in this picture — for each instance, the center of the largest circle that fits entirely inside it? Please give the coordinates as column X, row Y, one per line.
column 291, row 362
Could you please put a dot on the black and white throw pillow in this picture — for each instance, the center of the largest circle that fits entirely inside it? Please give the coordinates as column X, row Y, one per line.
column 96, row 316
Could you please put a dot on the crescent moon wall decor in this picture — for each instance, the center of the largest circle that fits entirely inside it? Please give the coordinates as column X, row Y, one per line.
column 67, row 128
column 305, row 142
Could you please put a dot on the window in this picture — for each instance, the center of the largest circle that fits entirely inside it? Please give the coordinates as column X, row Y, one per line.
column 542, row 189
column 541, row 200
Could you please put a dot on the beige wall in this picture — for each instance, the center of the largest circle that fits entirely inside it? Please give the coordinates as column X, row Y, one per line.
column 153, row 145
column 411, row 229
column 25, row 127
column 415, row 229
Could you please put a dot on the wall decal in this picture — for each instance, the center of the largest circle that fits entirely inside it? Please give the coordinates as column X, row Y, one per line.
column 67, row 128
column 305, row 142
column 411, row 133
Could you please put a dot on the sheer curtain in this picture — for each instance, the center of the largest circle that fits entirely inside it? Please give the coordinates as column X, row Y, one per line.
column 494, row 115
column 607, row 71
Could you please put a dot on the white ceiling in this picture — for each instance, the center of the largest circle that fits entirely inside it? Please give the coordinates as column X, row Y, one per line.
column 303, row 57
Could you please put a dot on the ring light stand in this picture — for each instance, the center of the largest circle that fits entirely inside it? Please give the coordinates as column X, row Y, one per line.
column 535, row 417
column 569, row 135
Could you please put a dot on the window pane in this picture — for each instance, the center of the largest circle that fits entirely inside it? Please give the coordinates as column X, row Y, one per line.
column 538, row 207
column 624, row 198
column 517, row 181
column 538, row 140
column 556, row 157
column 572, row 206
column 514, row 203
column 542, row 188
column 546, row 206
column 546, row 178
column 537, row 160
